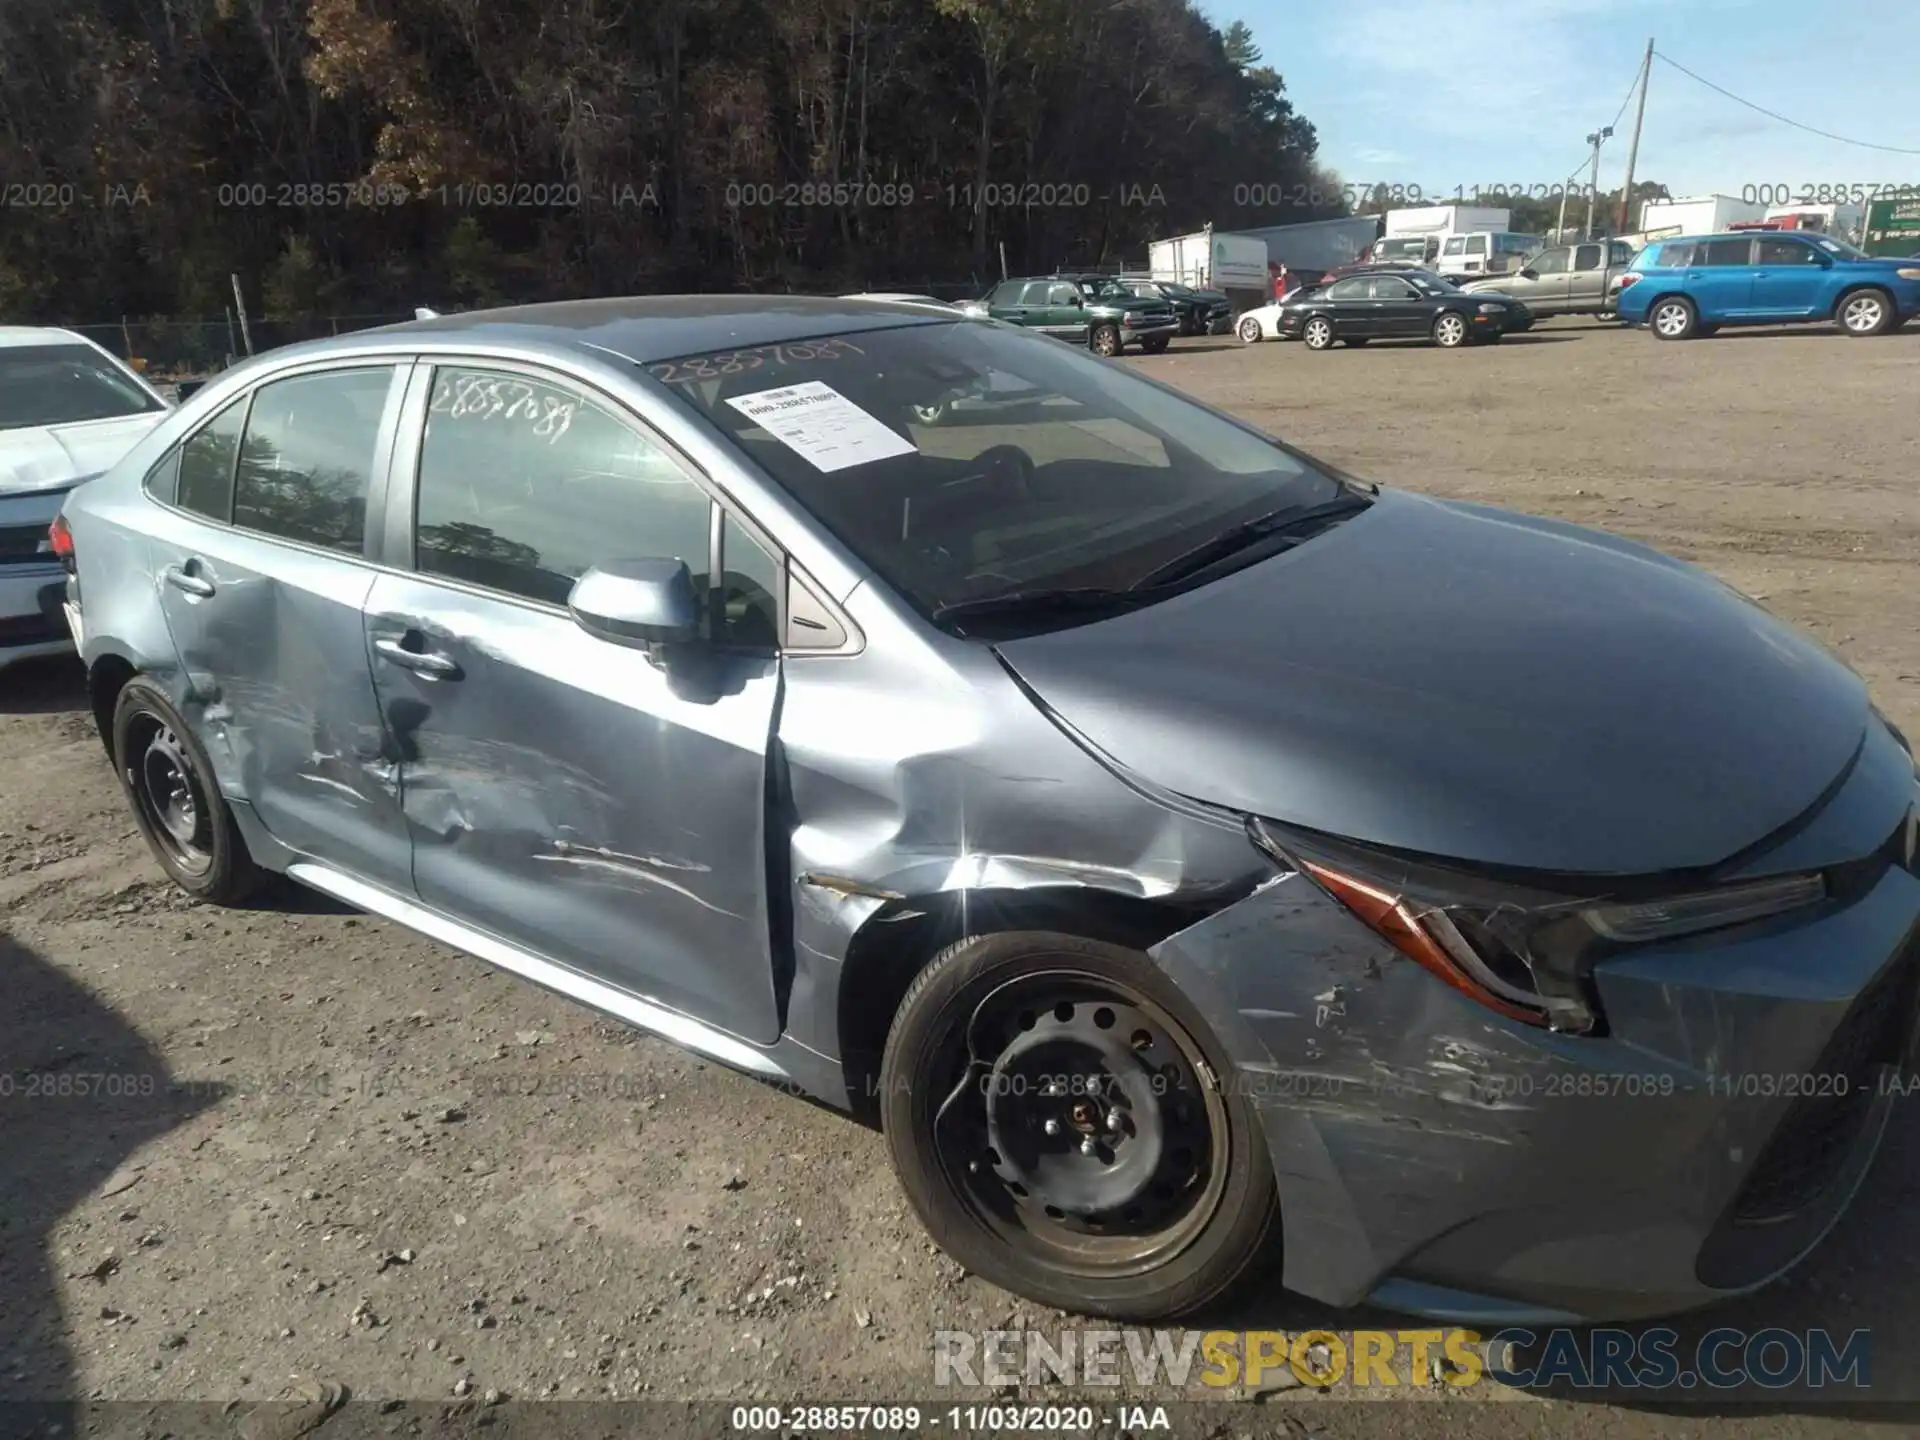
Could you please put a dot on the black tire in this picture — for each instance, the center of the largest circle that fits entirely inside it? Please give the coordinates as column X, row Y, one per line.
column 1317, row 333
column 1169, row 1147
column 1451, row 330
column 169, row 782
column 1673, row 317
column 1864, row 312
column 1155, row 344
column 1105, row 340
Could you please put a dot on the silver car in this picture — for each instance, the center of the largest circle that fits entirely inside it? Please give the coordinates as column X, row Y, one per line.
column 68, row 410
column 1189, row 855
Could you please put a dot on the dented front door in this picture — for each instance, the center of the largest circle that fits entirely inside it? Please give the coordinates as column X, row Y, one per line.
column 566, row 795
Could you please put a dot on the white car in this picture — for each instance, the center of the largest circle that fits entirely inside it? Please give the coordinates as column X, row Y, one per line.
column 68, row 410
column 1256, row 325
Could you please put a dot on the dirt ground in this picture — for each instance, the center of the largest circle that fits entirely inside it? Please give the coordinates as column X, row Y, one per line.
column 336, row 1152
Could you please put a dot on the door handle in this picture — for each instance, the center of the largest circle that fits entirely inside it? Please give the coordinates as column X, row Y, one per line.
column 186, row 580
column 421, row 662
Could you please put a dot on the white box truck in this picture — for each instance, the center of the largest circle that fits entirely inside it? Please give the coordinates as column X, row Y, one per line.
column 1697, row 214
column 1446, row 219
column 1211, row 260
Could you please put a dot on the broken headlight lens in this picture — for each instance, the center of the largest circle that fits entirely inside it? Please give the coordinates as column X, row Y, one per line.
column 1523, row 951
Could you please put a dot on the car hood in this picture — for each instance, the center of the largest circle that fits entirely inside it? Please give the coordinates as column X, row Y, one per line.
column 46, row 457
column 1463, row 682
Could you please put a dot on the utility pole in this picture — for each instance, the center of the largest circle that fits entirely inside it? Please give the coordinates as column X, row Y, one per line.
column 1593, row 180
column 1633, row 150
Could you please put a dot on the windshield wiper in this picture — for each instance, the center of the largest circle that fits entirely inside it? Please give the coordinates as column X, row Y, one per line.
column 1275, row 523
column 1064, row 600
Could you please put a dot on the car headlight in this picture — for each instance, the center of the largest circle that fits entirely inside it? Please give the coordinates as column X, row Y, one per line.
column 1491, row 309
column 1524, row 951
column 1908, row 272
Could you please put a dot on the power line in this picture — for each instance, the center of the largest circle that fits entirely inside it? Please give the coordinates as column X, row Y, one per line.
column 1785, row 120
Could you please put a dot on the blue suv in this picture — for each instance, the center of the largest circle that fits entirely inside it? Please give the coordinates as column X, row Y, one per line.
column 1692, row 285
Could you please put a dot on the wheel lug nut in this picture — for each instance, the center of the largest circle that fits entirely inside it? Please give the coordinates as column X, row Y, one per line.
column 1052, row 1127
column 1113, row 1120
column 1087, row 1147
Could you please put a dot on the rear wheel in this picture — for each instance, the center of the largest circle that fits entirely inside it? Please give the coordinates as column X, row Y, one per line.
column 1861, row 313
column 1105, row 340
column 1674, row 318
column 1053, row 1112
column 1317, row 333
column 176, row 801
column 1449, row 330
column 1250, row 331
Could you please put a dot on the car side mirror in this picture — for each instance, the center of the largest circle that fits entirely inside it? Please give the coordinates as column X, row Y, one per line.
column 1529, row 273
column 183, row 389
column 643, row 604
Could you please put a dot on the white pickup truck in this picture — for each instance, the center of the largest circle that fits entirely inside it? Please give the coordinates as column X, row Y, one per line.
column 1565, row 279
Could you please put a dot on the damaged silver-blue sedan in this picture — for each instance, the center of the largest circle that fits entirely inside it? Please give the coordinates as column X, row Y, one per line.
column 1193, row 857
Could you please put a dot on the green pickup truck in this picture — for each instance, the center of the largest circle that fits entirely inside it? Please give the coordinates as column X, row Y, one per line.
column 1097, row 311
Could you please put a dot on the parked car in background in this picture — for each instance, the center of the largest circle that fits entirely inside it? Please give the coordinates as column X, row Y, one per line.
column 68, row 410
column 1484, row 252
column 1415, row 250
column 1390, row 303
column 1043, row 791
column 1198, row 312
column 1692, row 285
column 1564, row 279
column 1097, row 311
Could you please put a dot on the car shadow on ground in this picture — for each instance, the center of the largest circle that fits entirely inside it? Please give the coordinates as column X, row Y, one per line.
column 49, row 686
column 82, row 1094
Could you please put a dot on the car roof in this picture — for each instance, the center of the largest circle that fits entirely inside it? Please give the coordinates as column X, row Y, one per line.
column 13, row 335
column 647, row 328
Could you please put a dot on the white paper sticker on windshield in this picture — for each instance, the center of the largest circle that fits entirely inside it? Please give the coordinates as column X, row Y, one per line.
column 821, row 424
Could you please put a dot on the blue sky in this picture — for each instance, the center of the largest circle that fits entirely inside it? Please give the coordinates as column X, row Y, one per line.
column 1441, row 93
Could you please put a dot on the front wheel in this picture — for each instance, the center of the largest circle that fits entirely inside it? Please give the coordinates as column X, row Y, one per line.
column 1055, row 1114
column 1318, row 333
column 1105, row 340
column 1449, row 330
column 1674, row 318
column 1250, row 331
column 1865, row 312
column 176, row 801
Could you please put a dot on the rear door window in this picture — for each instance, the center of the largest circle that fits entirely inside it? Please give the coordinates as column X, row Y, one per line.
column 1354, row 287
column 1675, row 255
column 1476, row 244
column 198, row 476
column 1587, row 257
column 307, row 461
column 1725, row 252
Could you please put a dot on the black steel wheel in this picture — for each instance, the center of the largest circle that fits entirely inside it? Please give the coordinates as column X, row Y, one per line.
column 1054, row 1111
column 176, row 801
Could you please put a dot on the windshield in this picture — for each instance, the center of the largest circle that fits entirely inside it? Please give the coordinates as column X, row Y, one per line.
column 65, row 385
column 1840, row 248
column 1185, row 292
column 1408, row 245
column 1428, row 283
column 968, row 461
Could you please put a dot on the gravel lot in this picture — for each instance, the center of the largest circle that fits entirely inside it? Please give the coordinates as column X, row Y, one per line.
column 352, row 1156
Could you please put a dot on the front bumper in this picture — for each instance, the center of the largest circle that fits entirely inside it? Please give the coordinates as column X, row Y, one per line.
column 32, row 622
column 1133, row 332
column 1435, row 1156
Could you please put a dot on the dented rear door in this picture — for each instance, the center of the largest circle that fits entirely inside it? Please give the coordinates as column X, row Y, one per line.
column 260, row 567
